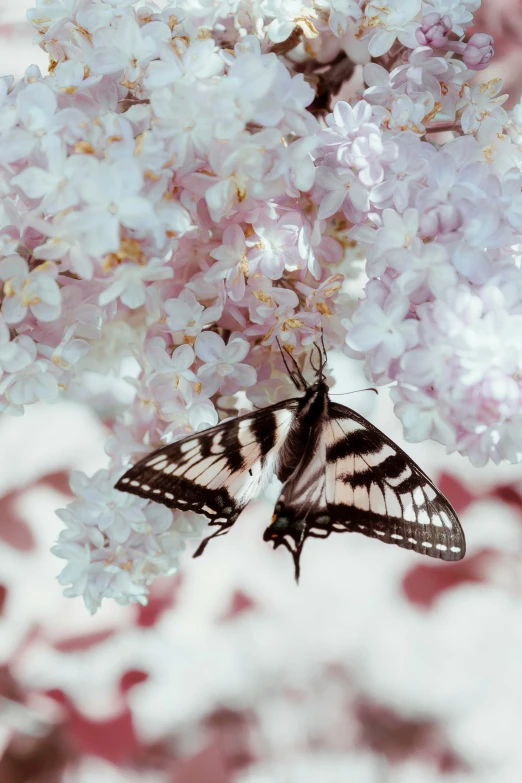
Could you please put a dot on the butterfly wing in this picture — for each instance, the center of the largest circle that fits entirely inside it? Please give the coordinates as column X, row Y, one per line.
column 218, row 471
column 357, row 480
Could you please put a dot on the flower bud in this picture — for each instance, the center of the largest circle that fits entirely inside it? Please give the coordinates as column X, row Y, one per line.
column 478, row 52
column 434, row 30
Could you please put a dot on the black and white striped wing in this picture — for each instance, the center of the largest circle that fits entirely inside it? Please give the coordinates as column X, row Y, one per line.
column 218, row 471
column 355, row 479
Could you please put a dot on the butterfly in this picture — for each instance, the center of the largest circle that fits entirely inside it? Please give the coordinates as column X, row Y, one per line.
column 339, row 473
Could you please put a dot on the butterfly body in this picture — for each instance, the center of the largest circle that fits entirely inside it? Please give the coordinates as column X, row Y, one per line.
column 339, row 474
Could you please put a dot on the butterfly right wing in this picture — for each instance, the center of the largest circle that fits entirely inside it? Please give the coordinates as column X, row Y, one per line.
column 381, row 492
column 218, row 471
column 355, row 479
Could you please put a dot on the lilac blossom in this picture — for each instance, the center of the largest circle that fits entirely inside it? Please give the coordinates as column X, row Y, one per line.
column 180, row 204
column 223, row 363
column 24, row 290
column 434, row 30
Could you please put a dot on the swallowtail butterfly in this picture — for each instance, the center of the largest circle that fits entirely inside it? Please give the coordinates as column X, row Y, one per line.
column 339, row 473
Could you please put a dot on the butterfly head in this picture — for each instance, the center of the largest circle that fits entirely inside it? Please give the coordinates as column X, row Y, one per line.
column 294, row 370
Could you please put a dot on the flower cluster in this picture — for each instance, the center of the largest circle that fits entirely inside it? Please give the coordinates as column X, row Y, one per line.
column 175, row 191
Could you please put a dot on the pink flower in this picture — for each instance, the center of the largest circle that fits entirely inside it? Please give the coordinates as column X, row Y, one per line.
column 389, row 20
column 36, row 291
column 264, row 298
column 13, row 355
column 170, row 371
column 187, row 315
column 182, row 419
column 129, row 282
column 397, row 231
column 434, row 30
column 232, row 262
column 478, row 52
column 111, row 192
column 223, row 363
column 385, row 331
column 275, row 245
column 33, row 379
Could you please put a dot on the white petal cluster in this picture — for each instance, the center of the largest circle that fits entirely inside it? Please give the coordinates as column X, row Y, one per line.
column 174, row 193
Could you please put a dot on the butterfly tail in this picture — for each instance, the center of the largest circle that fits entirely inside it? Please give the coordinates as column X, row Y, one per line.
column 224, row 527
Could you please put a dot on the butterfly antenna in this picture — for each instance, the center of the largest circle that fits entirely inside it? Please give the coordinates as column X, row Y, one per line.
column 355, row 391
column 289, row 371
column 325, row 359
column 302, row 382
column 319, row 369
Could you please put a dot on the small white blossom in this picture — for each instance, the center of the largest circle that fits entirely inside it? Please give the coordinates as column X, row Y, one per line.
column 385, row 330
column 24, row 290
column 223, row 362
column 185, row 314
column 171, row 370
column 388, row 20
column 129, row 282
column 32, row 381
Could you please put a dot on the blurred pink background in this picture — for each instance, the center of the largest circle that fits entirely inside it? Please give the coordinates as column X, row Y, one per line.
column 380, row 667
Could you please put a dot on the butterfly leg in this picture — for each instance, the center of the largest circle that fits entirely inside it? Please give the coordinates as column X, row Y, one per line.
column 224, row 527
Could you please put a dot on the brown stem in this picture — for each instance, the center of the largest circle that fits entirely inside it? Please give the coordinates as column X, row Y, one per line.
column 440, row 126
column 290, row 43
column 329, row 83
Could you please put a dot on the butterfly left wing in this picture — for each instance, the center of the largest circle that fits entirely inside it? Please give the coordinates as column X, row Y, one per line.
column 218, row 471
column 355, row 479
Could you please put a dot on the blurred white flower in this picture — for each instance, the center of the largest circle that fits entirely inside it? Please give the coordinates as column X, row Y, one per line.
column 36, row 290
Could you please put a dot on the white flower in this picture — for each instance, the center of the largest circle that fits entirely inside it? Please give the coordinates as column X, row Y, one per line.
column 232, row 263
column 187, row 315
column 422, row 266
column 423, row 72
column 183, row 418
column 406, row 113
column 223, row 362
column 13, row 355
column 69, row 77
column 125, row 46
column 383, row 330
column 405, row 175
column 275, row 245
column 23, row 290
column 480, row 102
column 188, row 119
column 286, row 14
column 342, row 12
column 265, row 299
column 341, row 188
column 457, row 11
column 421, row 415
column 54, row 186
column 129, row 282
column 33, row 380
column 242, row 175
column 114, row 543
column 37, row 109
column 198, row 60
column 69, row 351
column 387, row 20
column 170, row 372
column 397, row 231
column 111, row 193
